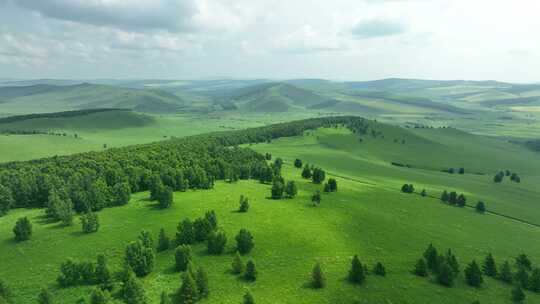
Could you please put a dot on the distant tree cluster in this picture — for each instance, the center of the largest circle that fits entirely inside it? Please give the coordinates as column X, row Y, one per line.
column 499, row 177
column 74, row 273
column 452, row 170
column 407, row 188
column 454, row 199
column 331, row 185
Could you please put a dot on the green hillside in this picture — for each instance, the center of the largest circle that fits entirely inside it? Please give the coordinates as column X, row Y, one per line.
column 50, row 98
column 368, row 216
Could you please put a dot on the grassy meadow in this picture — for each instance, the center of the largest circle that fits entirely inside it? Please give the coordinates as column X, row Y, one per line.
column 368, row 216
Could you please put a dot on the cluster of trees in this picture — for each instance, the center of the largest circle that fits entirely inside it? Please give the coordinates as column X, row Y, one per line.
column 140, row 254
column 452, row 170
column 248, row 271
column 501, row 174
column 357, row 273
column 317, row 175
column 281, row 189
column 445, row 267
column 330, row 186
column 22, row 229
column 74, row 273
column 453, row 198
column 190, row 232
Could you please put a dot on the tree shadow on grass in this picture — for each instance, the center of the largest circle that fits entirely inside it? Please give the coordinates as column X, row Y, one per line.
column 43, row 219
column 9, row 241
column 171, row 270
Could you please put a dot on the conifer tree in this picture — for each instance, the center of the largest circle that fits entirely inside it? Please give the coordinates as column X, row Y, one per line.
column 317, row 277
column 45, row 297
column 146, row 239
column 165, row 298
column 216, row 242
column 306, row 172
column 140, row 258
column 185, row 234
column 445, row 197
column 518, row 296
column 452, row 262
column 6, row 200
column 522, row 261
column 534, row 281
column 490, row 267
column 445, row 275
column 473, row 275
column 277, row 189
column 357, row 273
column 431, row 257
column 90, row 222
column 251, row 271
column 201, row 279
column 102, row 273
column 332, row 183
column 244, row 204
column 290, row 189
column 182, row 257
column 506, row 273
column 165, row 197
column 379, row 269
column 244, row 241
column 211, row 217
column 202, row 229
column 98, row 296
column 188, row 292
column 5, row 292
column 248, row 298
column 480, row 207
column 298, row 163
column 522, row 277
column 420, row 269
column 163, row 241
column 237, row 264
column 423, row 193
column 22, row 229
column 316, row 198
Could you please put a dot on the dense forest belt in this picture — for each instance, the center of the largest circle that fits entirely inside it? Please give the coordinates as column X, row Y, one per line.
column 92, row 180
column 57, row 114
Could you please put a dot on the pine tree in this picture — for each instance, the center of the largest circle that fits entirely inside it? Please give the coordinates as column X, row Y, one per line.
column 251, row 271
column 201, row 229
column 534, row 281
column 89, row 222
column 165, row 298
column 452, row 262
column 431, row 257
column 6, row 200
column 120, row 194
column 201, row 279
column 461, row 200
column 480, row 207
column 490, row 267
column 146, row 239
column 317, row 277
column 248, row 298
column 445, row 275
column 45, row 297
column 182, row 257
column 237, row 264
column 165, row 197
column 316, row 198
column 420, row 269
column 298, row 163
column 518, row 296
column 185, row 234
column 379, row 269
column 140, row 258
column 357, row 273
column 423, row 193
column 473, row 275
column 522, row 261
column 22, row 229
column 211, row 217
column 102, row 273
column 445, row 197
column 332, row 184
column 244, row 241
column 290, row 189
column 306, row 172
column 98, row 296
column 163, row 241
column 216, row 242
column 506, row 273
column 188, row 293
column 277, row 189
column 522, row 277
column 132, row 290
column 244, row 204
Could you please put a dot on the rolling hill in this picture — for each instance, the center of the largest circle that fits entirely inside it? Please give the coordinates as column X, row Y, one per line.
column 52, row 98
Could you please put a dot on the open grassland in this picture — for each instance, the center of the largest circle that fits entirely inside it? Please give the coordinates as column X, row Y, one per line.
column 368, row 216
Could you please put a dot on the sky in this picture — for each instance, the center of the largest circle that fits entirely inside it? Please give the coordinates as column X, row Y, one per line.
column 277, row 39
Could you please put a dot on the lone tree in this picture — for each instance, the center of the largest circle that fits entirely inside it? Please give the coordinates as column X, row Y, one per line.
column 407, row 188
column 182, row 257
column 480, row 207
column 248, row 298
column 188, row 292
column 316, row 198
column 518, row 296
column 423, row 193
column 357, row 272
column 244, row 241
column 244, row 204
column 379, row 269
column 298, row 163
column 90, row 222
column 420, row 269
column 237, row 266
column 251, row 271
column 163, row 241
column 317, row 277
column 473, row 275
column 290, row 189
column 490, row 267
column 277, row 189
column 22, row 229
column 506, row 273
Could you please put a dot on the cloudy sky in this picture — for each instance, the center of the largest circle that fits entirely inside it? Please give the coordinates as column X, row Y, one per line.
column 334, row 39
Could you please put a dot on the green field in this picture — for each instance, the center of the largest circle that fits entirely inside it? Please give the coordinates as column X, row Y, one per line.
column 368, row 216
